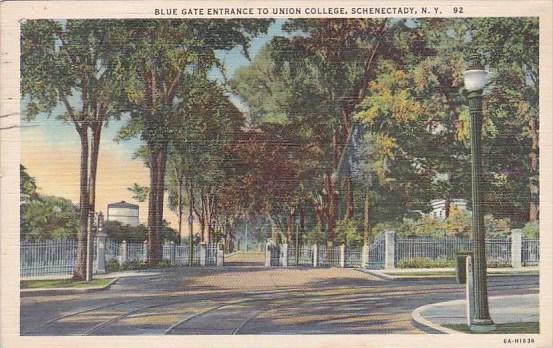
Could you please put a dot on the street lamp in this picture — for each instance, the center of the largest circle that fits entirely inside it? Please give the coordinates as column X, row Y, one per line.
column 191, row 249
column 475, row 80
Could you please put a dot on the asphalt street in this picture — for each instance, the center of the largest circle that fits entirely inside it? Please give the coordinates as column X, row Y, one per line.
column 246, row 298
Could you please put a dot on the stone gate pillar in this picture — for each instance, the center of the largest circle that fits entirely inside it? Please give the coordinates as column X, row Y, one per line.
column 516, row 248
column 365, row 256
column 284, row 255
column 203, row 254
column 123, row 252
column 101, row 252
column 342, row 256
column 315, row 255
column 390, row 253
column 220, row 254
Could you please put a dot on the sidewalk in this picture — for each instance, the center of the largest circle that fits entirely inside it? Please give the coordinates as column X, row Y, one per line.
column 504, row 310
column 418, row 273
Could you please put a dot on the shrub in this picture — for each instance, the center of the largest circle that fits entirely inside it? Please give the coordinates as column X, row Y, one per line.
column 531, row 230
column 113, row 266
column 425, row 263
column 347, row 233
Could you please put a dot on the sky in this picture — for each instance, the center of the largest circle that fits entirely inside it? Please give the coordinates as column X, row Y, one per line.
column 50, row 149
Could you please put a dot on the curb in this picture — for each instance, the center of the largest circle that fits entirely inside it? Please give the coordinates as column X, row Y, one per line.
column 422, row 276
column 417, row 316
column 63, row 291
column 385, row 276
column 419, row 319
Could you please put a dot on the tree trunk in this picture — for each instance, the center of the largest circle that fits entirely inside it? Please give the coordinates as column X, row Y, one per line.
column 366, row 219
column 533, row 184
column 179, row 205
column 158, row 158
column 302, row 222
column 290, row 226
column 94, row 153
column 349, row 197
column 331, row 207
column 80, row 266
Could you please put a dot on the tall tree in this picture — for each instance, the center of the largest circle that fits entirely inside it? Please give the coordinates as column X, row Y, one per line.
column 66, row 70
column 510, row 46
column 162, row 57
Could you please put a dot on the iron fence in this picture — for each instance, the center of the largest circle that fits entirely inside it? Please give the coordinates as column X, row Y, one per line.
column 47, row 257
column 304, row 257
column 136, row 252
column 274, row 251
column 211, row 255
column 498, row 251
column 328, row 256
column 530, row 252
column 353, row 257
column 182, row 255
column 113, row 250
column 377, row 251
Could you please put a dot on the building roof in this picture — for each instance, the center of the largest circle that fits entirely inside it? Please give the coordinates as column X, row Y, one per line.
column 122, row 204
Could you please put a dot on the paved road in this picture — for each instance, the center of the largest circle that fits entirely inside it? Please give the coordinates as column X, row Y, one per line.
column 248, row 300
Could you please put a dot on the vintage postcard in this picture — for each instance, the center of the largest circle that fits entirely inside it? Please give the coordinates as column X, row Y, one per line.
column 276, row 174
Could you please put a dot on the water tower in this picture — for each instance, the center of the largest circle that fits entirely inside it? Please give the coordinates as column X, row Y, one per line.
column 125, row 213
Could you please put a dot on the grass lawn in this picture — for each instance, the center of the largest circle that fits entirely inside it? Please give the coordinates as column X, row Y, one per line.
column 62, row 283
column 431, row 274
column 507, row 328
column 422, row 274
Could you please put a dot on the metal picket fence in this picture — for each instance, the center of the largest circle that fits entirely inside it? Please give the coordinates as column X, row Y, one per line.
column 353, row 257
column 211, row 255
column 136, row 252
column 305, row 256
column 328, row 256
column 377, row 252
column 47, row 257
column 530, row 252
column 113, row 250
column 498, row 251
column 182, row 253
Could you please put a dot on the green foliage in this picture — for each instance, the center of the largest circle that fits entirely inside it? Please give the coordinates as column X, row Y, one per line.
column 315, row 236
column 120, row 232
column 348, row 233
column 531, row 230
column 49, row 217
column 425, row 263
column 27, row 185
column 113, row 265
column 140, row 193
column 457, row 224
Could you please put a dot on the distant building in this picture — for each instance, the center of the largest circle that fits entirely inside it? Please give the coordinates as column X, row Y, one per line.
column 439, row 207
column 123, row 212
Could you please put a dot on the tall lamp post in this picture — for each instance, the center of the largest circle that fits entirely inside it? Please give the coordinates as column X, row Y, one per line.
column 475, row 80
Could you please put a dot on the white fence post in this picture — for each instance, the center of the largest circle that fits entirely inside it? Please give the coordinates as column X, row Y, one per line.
column 315, row 255
column 470, row 290
column 365, row 256
column 390, row 254
column 220, row 254
column 516, row 248
column 172, row 253
column 145, row 253
column 342, row 256
column 123, row 252
column 101, row 252
column 268, row 254
column 284, row 255
column 203, row 254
